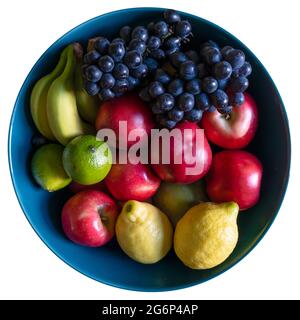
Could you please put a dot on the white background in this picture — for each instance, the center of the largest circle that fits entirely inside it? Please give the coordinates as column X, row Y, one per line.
column 29, row 270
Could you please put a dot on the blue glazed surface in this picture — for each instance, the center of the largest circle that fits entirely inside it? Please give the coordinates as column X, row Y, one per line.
column 109, row 264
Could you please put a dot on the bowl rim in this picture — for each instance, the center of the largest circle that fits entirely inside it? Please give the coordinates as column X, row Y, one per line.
column 279, row 200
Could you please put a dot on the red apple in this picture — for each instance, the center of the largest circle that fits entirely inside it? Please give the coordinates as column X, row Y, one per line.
column 129, row 108
column 200, row 156
column 76, row 187
column 132, row 182
column 235, row 176
column 234, row 131
column 88, row 218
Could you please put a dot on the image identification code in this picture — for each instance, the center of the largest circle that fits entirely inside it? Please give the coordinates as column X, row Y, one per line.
column 156, row 309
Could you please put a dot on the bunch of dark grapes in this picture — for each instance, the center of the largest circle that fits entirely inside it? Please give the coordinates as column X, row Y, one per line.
column 178, row 85
column 188, row 84
column 111, row 68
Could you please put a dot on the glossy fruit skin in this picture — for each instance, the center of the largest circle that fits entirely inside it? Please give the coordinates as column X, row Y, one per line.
column 128, row 108
column 235, row 132
column 88, row 218
column 175, row 172
column 235, row 175
column 132, row 182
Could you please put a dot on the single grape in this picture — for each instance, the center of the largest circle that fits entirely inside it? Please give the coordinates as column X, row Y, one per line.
column 139, row 72
column 202, row 101
column 151, row 63
column 193, row 86
column 212, row 56
column 171, row 16
column 154, row 43
column 119, row 40
column 140, row 33
column 219, row 99
column 183, row 29
column 222, row 84
column 225, row 50
column 193, row 55
column 176, row 114
column 158, row 54
column 125, row 33
column 161, row 28
column 165, row 101
column 175, row 87
column 209, row 43
column 117, row 51
column 172, row 43
column 236, row 99
column 91, row 57
column 121, row 71
column 92, row 88
column 92, row 73
column 106, row 94
column 166, row 122
column 101, row 45
column 185, row 102
column 106, row 63
column 209, row 84
column 132, row 59
column 107, row 81
column 239, row 84
column 177, row 58
column 222, row 70
column 161, row 76
column 188, row 70
column 193, row 115
column 236, row 58
column 132, row 82
column 137, row 45
column 245, row 70
column 155, row 89
column 120, row 87
column 225, row 110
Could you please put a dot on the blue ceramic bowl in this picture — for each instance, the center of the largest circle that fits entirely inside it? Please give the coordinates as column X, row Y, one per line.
column 109, row 264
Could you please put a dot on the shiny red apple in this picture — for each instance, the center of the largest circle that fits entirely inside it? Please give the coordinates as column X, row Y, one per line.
column 131, row 109
column 132, row 182
column 233, row 131
column 195, row 159
column 235, row 175
column 88, row 218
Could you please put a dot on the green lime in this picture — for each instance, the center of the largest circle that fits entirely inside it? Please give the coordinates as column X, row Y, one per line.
column 47, row 167
column 87, row 160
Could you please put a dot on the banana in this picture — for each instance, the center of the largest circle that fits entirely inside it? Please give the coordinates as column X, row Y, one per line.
column 63, row 116
column 38, row 99
column 87, row 105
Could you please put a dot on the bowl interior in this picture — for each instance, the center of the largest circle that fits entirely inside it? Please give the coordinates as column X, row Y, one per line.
column 109, row 264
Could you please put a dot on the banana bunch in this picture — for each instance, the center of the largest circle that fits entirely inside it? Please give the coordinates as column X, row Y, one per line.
column 58, row 100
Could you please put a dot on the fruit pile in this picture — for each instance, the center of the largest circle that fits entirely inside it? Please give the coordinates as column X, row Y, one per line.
column 179, row 85
column 150, row 205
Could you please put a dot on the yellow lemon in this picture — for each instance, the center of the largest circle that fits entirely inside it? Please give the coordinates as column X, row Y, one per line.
column 144, row 232
column 207, row 234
